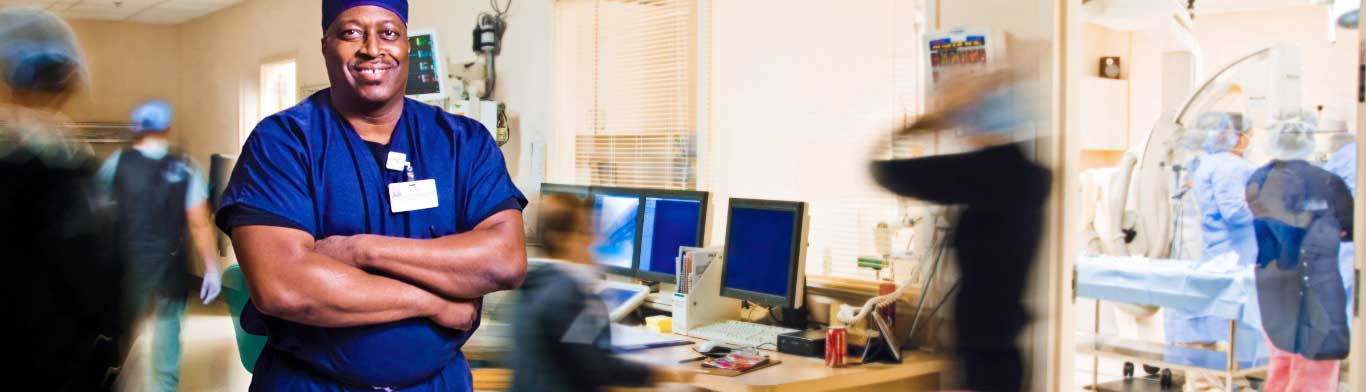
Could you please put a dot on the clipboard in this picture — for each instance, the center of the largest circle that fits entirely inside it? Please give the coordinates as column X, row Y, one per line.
column 882, row 348
column 732, row 373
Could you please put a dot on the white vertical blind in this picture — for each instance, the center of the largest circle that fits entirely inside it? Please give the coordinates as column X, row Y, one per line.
column 627, row 85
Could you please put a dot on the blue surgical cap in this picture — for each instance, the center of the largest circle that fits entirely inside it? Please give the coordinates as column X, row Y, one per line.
column 38, row 51
column 1220, row 130
column 152, row 117
column 997, row 112
column 334, row 8
column 1292, row 135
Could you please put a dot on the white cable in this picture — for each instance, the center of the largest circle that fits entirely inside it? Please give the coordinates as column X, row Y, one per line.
column 875, row 303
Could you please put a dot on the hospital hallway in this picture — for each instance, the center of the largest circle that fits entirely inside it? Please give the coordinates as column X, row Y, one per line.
column 209, row 360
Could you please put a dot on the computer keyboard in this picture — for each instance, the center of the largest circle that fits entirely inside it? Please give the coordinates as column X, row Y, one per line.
column 742, row 334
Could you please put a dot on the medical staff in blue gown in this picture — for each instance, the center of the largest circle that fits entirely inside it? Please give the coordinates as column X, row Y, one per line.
column 1343, row 163
column 1303, row 213
column 1219, row 182
column 368, row 225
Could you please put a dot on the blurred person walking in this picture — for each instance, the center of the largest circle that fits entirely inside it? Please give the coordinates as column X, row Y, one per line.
column 161, row 196
column 997, row 235
column 61, row 289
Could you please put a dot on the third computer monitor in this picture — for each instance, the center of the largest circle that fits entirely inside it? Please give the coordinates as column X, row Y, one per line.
column 764, row 252
column 669, row 220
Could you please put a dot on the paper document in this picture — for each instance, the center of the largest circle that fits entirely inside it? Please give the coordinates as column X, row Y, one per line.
column 626, row 338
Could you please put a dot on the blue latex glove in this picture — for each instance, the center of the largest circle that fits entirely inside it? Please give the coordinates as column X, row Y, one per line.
column 213, row 284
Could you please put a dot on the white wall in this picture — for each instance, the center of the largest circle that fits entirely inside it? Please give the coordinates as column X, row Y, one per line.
column 231, row 45
column 1329, row 76
column 795, row 108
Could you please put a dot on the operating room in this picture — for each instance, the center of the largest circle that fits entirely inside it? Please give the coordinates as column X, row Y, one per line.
column 682, row 195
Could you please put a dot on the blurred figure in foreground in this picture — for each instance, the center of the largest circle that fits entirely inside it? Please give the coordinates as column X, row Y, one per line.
column 61, row 287
column 1302, row 215
column 1002, row 192
column 160, row 196
column 561, row 327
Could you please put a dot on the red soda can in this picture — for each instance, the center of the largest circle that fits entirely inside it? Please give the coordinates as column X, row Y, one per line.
column 836, row 346
column 889, row 311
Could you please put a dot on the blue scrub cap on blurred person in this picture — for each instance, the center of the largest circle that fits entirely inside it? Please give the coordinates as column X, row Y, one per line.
column 38, row 50
column 1220, row 131
column 1292, row 135
column 334, row 8
column 152, row 117
column 997, row 111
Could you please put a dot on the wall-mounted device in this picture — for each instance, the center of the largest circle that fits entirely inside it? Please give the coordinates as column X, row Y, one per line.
column 487, row 41
column 489, row 113
column 426, row 67
column 1109, row 68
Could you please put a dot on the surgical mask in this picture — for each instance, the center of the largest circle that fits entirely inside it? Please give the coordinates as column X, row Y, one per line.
column 996, row 112
column 153, row 148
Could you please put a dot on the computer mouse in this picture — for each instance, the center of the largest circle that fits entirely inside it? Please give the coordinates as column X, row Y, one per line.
column 711, row 347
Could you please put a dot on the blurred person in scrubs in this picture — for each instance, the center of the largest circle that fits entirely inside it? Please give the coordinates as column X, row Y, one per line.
column 161, row 199
column 1302, row 215
column 561, row 329
column 61, row 284
column 1220, row 182
column 1343, row 163
column 369, row 226
column 997, row 234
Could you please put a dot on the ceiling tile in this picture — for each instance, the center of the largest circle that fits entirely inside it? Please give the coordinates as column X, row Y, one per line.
column 138, row 11
column 26, row 3
column 91, row 15
column 156, row 19
column 112, row 11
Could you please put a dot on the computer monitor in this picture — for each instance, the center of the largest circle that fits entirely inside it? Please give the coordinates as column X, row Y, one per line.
column 616, row 220
column 671, row 219
column 426, row 67
column 579, row 191
column 765, row 252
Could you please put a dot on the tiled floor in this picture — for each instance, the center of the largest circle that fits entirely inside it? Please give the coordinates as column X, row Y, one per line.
column 1110, row 370
column 209, row 361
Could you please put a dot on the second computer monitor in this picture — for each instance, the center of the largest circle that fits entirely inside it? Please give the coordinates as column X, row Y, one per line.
column 765, row 252
column 671, row 219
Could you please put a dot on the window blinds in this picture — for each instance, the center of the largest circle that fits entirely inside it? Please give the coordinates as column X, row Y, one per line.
column 626, row 107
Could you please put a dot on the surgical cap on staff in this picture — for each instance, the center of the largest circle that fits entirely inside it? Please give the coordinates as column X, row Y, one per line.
column 334, row 8
column 1220, row 130
column 1292, row 136
column 152, row 117
column 38, row 51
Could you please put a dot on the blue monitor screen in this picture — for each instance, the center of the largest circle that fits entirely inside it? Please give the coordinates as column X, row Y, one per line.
column 615, row 221
column 669, row 224
column 759, row 250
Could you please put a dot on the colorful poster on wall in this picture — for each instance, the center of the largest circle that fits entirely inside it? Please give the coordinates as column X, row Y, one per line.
column 960, row 50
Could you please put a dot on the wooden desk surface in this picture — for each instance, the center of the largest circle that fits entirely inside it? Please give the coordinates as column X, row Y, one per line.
column 798, row 373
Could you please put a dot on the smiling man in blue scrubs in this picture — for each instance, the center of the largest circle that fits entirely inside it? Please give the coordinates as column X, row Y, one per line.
column 368, row 225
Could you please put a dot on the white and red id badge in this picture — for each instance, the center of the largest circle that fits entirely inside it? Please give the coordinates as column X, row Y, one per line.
column 412, row 195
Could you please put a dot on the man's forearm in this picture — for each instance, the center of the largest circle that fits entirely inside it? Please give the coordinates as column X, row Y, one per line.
column 490, row 258
column 306, row 287
column 202, row 235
